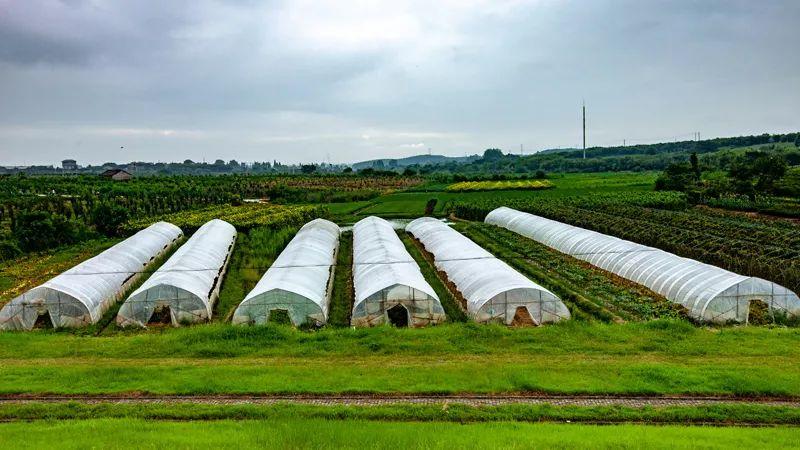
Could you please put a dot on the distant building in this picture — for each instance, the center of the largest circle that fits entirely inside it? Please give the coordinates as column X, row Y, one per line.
column 116, row 175
column 69, row 164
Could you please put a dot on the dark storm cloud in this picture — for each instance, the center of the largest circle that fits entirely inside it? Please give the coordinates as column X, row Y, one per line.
column 298, row 79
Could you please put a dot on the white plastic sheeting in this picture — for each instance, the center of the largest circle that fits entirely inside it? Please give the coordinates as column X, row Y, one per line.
column 299, row 281
column 187, row 285
column 388, row 283
column 493, row 290
column 709, row 293
column 81, row 295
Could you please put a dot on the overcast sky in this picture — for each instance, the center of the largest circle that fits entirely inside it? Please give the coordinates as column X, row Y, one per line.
column 351, row 80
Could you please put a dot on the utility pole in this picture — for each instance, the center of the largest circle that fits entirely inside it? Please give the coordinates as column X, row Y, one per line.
column 521, row 151
column 583, row 110
column 623, row 142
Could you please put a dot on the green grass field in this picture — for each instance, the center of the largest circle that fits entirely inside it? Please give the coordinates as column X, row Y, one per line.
column 657, row 357
column 412, row 203
column 318, row 433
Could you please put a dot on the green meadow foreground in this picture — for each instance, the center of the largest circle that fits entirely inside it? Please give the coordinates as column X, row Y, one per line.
column 654, row 358
column 310, row 433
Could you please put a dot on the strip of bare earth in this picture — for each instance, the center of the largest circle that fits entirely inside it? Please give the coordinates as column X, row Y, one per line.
column 458, row 409
column 393, row 399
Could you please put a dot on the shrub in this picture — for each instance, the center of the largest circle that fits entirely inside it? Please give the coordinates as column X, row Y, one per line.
column 40, row 230
column 108, row 218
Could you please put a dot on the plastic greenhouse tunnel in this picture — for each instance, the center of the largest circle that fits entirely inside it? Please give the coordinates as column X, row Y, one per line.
column 709, row 293
column 299, row 281
column 186, row 287
column 389, row 287
column 80, row 296
column 493, row 290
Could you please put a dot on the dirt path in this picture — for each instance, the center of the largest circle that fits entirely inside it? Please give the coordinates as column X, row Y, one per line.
column 378, row 400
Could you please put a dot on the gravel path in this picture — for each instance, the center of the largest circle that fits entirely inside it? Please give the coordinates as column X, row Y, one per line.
column 377, row 400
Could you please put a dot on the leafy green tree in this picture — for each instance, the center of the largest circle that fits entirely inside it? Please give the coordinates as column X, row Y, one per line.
column 756, row 173
column 695, row 166
column 492, row 154
column 676, row 177
column 9, row 249
column 108, row 218
column 40, row 230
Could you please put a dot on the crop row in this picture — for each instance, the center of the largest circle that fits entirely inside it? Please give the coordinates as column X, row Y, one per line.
column 470, row 186
column 76, row 197
column 242, row 217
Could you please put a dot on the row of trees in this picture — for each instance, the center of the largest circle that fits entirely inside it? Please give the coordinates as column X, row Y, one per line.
column 754, row 174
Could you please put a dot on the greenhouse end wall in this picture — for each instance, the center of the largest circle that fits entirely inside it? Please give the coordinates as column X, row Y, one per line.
column 299, row 281
column 389, row 286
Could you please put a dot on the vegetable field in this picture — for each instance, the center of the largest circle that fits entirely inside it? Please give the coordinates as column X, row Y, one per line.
column 242, row 217
column 470, row 186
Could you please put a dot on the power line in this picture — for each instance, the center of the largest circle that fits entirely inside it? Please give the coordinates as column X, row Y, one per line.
column 300, row 266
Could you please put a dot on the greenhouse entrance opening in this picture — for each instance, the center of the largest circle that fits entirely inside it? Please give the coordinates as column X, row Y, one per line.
column 280, row 316
column 161, row 316
column 522, row 318
column 759, row 313
column 398, row 316
column 43, row 320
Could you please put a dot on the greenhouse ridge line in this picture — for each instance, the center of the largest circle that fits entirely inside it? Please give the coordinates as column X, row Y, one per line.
column 293, row 266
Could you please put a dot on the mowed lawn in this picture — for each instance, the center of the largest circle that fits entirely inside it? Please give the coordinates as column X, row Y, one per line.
column 651, row 358
column 315, row 433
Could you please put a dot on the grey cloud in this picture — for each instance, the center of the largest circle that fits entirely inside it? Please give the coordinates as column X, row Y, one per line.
column 295, row 81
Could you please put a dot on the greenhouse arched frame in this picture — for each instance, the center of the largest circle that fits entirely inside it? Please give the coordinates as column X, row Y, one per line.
column 187, row 285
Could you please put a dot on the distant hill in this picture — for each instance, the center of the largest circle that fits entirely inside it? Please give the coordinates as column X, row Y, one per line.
column 420, row 160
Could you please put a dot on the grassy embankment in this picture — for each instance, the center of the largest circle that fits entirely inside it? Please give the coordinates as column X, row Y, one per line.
column 318, row 433
column 341, row 306
column 657, row 357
